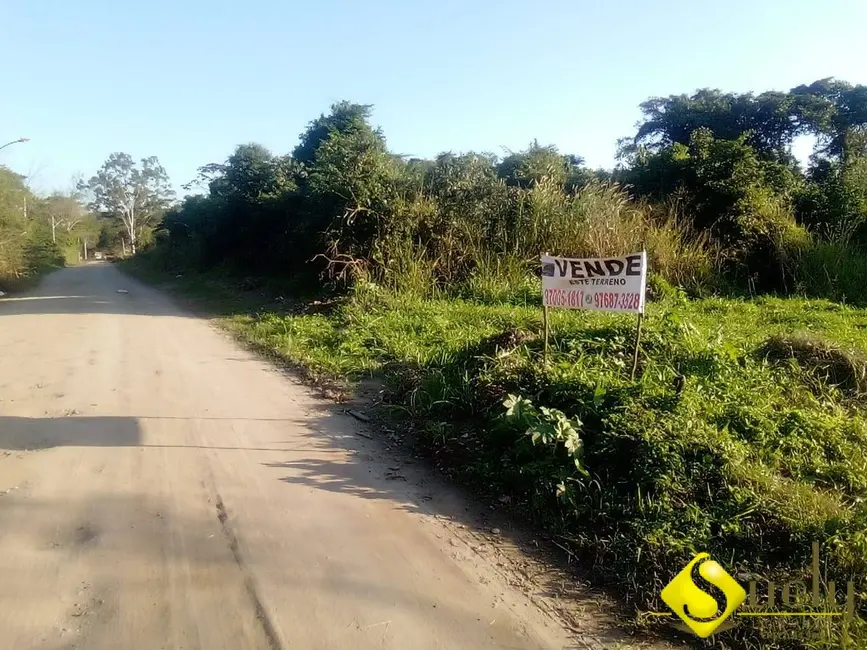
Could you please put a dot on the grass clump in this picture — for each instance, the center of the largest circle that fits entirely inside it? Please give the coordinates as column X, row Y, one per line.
column 823, row 360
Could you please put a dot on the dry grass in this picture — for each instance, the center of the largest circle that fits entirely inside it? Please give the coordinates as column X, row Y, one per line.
column 822, row 359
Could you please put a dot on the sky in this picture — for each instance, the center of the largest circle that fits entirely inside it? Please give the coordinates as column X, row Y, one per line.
column 187, row 80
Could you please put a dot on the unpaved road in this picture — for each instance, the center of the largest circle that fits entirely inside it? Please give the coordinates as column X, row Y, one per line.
column 161, row 488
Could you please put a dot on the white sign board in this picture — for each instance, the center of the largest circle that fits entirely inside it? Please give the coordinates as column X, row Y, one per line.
column 605, row 283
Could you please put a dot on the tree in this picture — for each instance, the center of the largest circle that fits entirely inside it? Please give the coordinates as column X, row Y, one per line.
column 833, row 110
column 351, row 185
column 528, row 167
column 835, row 200
column 137, row 195
column 345, row 117
column 346, row 180
column 64, row 212
column 25, row 238
column 251, row 175
column 768, row 121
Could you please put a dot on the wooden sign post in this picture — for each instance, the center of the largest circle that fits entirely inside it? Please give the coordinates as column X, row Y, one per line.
column 637, row 343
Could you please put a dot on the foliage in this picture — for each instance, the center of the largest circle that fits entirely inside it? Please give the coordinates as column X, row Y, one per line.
column 836, row 199
column 135, row 194
column 549, row 427
column 708, row 185
column 13, row 226
column 743, row 435
column 769, row 121
column 64, row 212
column 727, row 159
column 351, row 180
column 537, row 163
column 834, row 268
column 36, row 233
column 833, row 109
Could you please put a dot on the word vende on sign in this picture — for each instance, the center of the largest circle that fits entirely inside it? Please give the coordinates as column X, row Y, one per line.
column 605, row 283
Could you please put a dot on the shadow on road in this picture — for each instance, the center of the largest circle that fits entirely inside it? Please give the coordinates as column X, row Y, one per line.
column 24, row 433
column 44, row 433
column 376, row 469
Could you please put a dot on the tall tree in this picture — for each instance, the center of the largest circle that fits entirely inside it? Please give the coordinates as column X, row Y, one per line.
column 770, row 121
column 345, row 117
column 834, row 110
column 64, row 212
column 138, row 195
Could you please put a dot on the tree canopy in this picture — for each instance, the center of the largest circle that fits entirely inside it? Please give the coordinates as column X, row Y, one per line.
column 136, row 194
column 724, row 159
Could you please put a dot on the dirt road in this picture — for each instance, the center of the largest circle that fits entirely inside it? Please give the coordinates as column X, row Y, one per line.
column 161, row 488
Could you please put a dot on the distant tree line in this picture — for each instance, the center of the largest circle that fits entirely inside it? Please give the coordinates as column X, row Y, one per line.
column 113, row 212
column 38, row 232
column 708, row 183
column 718, row 164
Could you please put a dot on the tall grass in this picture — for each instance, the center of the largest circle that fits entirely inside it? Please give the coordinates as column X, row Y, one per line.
column 833, row 266
column 495, row 256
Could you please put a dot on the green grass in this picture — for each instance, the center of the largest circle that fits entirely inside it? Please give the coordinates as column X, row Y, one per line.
column 714, row 447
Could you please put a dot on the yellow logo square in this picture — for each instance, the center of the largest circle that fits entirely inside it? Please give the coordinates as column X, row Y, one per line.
column 703, row 595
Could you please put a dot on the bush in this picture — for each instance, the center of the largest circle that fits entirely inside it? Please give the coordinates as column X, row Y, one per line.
column 42, row 255
column 25, row 257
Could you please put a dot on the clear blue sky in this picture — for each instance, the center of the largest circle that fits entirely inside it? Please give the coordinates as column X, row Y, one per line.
column 187, row 80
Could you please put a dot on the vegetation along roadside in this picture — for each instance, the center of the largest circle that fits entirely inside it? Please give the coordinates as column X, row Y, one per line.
column 743, row 433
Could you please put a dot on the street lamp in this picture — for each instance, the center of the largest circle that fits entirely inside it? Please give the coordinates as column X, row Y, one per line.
column 15, row 142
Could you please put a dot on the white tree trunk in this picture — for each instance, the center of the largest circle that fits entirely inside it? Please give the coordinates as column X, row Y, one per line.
column 130, row 227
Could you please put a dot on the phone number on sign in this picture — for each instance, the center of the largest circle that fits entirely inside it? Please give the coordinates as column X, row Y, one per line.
column 599, row 300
